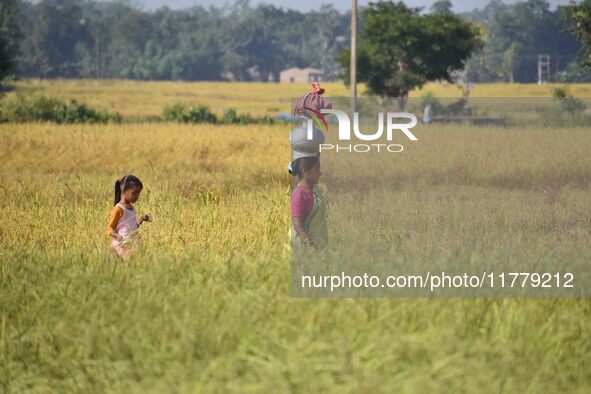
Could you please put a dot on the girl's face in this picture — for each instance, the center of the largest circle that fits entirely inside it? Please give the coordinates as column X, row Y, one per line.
column 132, row 194
column 312, row 175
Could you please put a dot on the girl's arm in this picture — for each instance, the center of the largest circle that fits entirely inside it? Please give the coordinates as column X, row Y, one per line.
column 144, row 218
column 116, row 214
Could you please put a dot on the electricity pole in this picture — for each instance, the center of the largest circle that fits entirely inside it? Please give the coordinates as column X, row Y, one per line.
column 353, row 65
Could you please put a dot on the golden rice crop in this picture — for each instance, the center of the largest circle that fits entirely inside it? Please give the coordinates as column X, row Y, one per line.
column 205, row 305
column 141, row 98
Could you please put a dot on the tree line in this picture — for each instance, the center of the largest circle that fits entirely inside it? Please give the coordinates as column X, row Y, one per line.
column 514, row 37
column 94, row 39
column 91, row 39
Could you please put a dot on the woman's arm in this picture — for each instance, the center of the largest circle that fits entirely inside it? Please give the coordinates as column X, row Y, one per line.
column 301, row 205
column 298, row 225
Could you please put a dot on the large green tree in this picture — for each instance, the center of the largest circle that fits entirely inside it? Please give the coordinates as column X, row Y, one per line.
column 580, row 15
column 55, row 35
column 9, row 36
column 442, row 7
column 400, row 49
column 98, row 39
column 515, row 34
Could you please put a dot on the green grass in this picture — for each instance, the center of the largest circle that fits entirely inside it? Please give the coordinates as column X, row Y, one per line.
column 205, row 306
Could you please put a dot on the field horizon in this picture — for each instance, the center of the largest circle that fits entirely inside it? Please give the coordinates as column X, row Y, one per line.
column 205, row 304
column 148, row 98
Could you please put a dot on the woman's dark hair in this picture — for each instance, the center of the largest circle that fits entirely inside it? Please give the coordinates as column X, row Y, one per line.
column 125, row 183
column 302, row 164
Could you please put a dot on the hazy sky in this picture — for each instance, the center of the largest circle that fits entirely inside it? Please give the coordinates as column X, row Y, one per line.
column 306, row 5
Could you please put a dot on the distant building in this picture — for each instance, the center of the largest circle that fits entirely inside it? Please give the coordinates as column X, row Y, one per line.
column 303, row 75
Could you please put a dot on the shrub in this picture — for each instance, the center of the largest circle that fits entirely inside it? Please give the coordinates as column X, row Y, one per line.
column 267, row 120
column 456, row 108
column 179, row 112
column 558, row 117
column 29, row 108
column 568, row 103
column 428, row 98
column 230, row 116
column 174, row 112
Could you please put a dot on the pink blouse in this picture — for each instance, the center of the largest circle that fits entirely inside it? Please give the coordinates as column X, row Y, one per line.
column 302, row 202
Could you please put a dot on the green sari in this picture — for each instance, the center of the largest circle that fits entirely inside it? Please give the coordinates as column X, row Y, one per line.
column 315, row 224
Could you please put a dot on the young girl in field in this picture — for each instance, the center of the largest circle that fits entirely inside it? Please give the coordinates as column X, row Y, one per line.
column 308, row 206
column 123, row 224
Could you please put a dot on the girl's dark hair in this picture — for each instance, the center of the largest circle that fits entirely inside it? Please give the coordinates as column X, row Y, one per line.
column 302, row 164
column 125, row 183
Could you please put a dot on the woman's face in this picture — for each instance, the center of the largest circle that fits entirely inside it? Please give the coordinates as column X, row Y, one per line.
column 132, row 194
column 312, row 175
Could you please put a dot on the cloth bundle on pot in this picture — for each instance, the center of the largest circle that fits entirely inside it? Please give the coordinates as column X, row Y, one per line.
column 306, row 107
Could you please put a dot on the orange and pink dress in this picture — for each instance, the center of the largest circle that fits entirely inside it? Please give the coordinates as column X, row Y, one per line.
column 123, row 221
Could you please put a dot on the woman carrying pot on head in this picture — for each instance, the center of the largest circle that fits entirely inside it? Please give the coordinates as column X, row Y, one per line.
column 308, row 204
